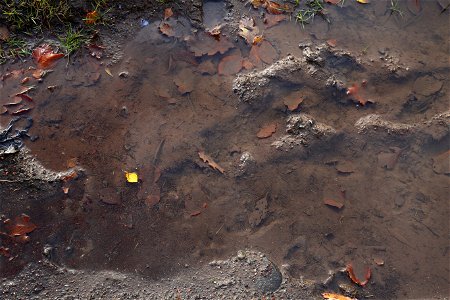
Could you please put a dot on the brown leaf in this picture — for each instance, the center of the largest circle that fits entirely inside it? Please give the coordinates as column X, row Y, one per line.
column 207, row 67
column 333, row 1
column 44, row 55
column 248, row 30
column 210, row 162
column 266, row 52
column 332, row 42
column 230, row 65
column 293, row 103
column 441, row 163
column 166, row 29
column 185, row 81
column 253, row 56
column 275, row 8
column 168, row 13
column 21, row 111
column 267, row 131
column 196, row 213
column 387, row 160
column 72, row 163
column 21, row 226
column 345, row 167
column 215, row 32
column 205, row 44
column 333, row 203
column 154, row 197
column 351, row 274
column 378, row 261
column 354, row 93
column 272, row 20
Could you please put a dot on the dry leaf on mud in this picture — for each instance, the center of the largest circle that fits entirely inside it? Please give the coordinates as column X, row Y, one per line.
column 332, row 42
column 108, row 71
column 333, row 203
column 166, row 29
column 196, row 213
column 25, row 97
column 363, row 1
column 207, row 67
column 206, row 44
column 21, row 226
column 272, row 20
column 210, row 162
column 230, row 65
column 168, row 13
column 131, row 177
column 293, row 104
column 351, row 274
column 248, row 30
column 91, row 17
column 275, row 8
column 21, row 111
column 345, row 167
column 267, row 131
column 333, row 296
column 44, row 55
column 378, row 261
column 354, row 93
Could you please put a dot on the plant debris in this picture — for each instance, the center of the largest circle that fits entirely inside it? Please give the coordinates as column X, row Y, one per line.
column 210, row 162
column 166, row 29
column 351, row 274
column 206, row 44
column 231, row 64
column 45, row 56
column 387, row 160
column 332, row 42
column 267, row 131
column 333, row 296
column 168, row 13
column 20, row 227
column 333, row 203
column 293, row 103
column 249, row 31
column 272, row 20
column 131, row 177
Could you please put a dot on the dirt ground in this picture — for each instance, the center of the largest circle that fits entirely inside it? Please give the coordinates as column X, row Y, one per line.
column 262, row 179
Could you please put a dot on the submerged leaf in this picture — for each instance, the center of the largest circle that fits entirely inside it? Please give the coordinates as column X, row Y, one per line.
column 210, row 162
column 293, row 103
column 168, row 13
column 230, row 65
column 272, row 20
column 267, row 131
column 333, row 296
column 206, row 44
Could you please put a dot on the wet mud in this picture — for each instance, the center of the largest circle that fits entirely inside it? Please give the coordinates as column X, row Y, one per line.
column 354, row 173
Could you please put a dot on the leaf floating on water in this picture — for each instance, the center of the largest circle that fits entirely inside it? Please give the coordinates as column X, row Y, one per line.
column 363, row 1
column 131, row 177
column 44, row 55
column 230, row 65
column 351, row 274
column 293, row 104
column 210, row 162
column 333, row 296
column 354, row 93
column 333, row 203
column 248, row 30
column 267, row 131
column 168, row 13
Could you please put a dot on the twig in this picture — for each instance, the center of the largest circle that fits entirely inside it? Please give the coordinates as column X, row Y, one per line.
column 158, row 151
column 219, row 229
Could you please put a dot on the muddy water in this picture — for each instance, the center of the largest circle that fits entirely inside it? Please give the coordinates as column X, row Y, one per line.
column 141, row 121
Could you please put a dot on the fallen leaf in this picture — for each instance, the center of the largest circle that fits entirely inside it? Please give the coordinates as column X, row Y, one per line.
column 272, row 20
column 441, row 163
column 39, row 73
column 25, row 80
column 247, row 64
column 332, row 42
column 266, row 52
column 196, row 213
column 354, row 92
column 25, row 97
column 351, row 274
column 26, row 90
column 65, row 190
column 378, row 261
column 345, row 167
column 205, row 44
column 248, row 30
column 21, row 111
column 91, row 17
column 166, row 29
column 210, row 162
column 363, row 1
column 293, row 103
column 131, row 177
column 44, row 55
column 17, row 101
column 5, row 251
column 185, row 81
column 21, row 226
column 207, row 67
column 253, row 57
column 230, row 65
column 275, row 8
column 72, row 163
column 333, row 296
column 257, row 3
column 333, row 203
column 3, row 110
column 108, row 71
column 154, row 196
column 70, row 176
column 215, row 32
column 168, row 13
column 267, row 131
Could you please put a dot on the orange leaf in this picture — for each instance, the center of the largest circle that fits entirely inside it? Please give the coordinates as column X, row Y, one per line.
column 166, row 29
column 333, row 296
column 168, row 13
column 351, row 274
column 210, row 162
column 91, row 17
column 332, row 42
column 292, row 104
column 333, row 203
column 206, row 44
column 21, row 226
column 44, row 55
column 267, row 131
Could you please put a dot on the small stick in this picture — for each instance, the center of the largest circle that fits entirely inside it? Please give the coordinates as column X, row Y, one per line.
column 158, row 151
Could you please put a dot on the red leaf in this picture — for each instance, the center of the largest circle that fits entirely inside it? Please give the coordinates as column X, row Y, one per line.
column 21, row 226
column 44, row 55
column 351, row 274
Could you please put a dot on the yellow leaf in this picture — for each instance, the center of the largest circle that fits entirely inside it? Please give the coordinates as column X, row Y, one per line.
column 363, row 1
column 332, row 296
column 108, row 71
column 131, row 177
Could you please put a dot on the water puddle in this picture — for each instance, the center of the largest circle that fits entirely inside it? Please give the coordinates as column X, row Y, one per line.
column 314, row 190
